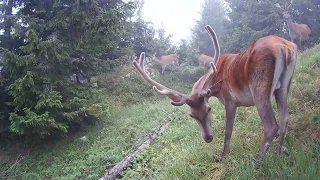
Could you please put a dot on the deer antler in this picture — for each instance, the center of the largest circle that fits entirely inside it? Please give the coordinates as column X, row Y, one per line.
column 213, row 64
column 277, row 5
column 178, row 99
column 214, row 39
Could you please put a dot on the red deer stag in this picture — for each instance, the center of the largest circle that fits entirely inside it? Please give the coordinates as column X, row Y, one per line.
column 205, row 60
column 250, row 78
column 166, row 60
column 299, row 33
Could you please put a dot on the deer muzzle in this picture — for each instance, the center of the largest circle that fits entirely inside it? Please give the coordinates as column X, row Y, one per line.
column 208, row 139
column 205, row 127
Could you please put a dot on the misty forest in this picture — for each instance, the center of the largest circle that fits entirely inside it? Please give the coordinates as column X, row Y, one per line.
column 89, row 89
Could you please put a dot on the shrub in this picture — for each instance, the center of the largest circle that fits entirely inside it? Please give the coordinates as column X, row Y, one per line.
column 126, row 85
column 181, row 77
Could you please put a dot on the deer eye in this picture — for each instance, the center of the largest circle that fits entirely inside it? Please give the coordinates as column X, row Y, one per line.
column 191, row 115
column 209, row 109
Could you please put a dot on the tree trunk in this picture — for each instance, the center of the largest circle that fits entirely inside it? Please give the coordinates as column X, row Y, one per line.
column 7, row 27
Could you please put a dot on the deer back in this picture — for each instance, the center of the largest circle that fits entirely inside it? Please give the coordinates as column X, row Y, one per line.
column 304, row 30
column 240, row 72
column 169, row 59
column 205, row 59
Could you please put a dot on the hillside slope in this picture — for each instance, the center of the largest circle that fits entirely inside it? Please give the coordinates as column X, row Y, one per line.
column 181, row 153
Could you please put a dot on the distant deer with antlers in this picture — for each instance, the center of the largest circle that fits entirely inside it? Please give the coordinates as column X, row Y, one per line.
column 299, row 33
column 166, row 60
column 205, row 60
column 250, row 78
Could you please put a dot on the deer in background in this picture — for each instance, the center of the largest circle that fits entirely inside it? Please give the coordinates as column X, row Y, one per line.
column 205, row 60
column 250, row 78
column 166, row 60
column 299, row 33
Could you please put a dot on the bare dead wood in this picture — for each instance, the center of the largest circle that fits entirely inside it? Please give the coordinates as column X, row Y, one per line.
column 119, row 167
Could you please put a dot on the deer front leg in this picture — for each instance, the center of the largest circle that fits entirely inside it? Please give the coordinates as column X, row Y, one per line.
column 300, row 47
column 230, row 113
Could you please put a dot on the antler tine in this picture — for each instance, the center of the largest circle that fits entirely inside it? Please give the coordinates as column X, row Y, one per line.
column 177, row 97
column 142, row 59
column 269, row 2
column 291, row 2
column 212, row 71
column 213, row 67
column 140, row 67
column 181, row 102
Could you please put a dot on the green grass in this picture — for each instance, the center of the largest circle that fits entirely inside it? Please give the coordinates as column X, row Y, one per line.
column 108, row 143
column 181, row 153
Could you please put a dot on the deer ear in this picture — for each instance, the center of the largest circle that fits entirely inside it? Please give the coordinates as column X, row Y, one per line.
column 215, row 89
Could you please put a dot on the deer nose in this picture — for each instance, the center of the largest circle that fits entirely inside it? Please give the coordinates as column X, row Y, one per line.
column 208, row 139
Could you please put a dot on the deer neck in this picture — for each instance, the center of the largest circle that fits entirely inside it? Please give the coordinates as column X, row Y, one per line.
column 290, row 25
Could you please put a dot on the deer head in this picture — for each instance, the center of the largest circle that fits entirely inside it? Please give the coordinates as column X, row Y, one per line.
column 200, row 109
column 285, row 10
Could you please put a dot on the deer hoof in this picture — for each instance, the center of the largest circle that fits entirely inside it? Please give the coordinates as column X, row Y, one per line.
column 283, row 150
column 223, row 156
column 257, row 164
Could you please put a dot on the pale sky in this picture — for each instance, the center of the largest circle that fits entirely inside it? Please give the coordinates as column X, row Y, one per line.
column 176, row 16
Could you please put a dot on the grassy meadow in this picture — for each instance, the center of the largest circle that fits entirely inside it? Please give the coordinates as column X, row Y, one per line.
column 180, row 153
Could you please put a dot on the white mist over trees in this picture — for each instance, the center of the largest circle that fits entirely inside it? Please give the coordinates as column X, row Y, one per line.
column 239, row 23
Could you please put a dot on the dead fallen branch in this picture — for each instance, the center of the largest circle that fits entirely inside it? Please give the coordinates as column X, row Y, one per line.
column 118, row 168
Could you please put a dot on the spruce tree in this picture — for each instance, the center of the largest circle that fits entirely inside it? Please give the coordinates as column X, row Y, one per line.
column 45, row 43
column 213, row 13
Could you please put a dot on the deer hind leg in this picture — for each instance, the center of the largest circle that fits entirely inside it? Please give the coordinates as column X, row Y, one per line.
column 282, row 105
column 270, row 125
column 261, row 92
column 171, row 70
column 303, row 45
column 281, row 96
column 300, row 47
column 204, row 67
column 163, row 69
